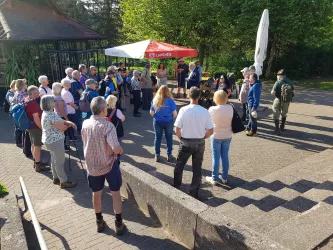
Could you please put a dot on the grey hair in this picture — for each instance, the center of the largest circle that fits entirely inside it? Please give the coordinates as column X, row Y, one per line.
column 82, row 66
column 46, row 102
column 32, row 89
column 56, row 88
column 42, row 79
column 68, row 70
column 92, row 67
column 65, row 82
column 136, row 72
column 97, row 105
column 191, row 64
column 75, row 73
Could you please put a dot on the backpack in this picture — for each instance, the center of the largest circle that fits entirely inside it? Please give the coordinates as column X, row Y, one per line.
column 286, row 92
column 117, row 123
column 20, row 116
column 102, row 88
column 84, row 102
column 6, row 106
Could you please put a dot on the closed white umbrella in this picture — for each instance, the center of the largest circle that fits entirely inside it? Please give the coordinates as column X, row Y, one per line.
column 262, row 40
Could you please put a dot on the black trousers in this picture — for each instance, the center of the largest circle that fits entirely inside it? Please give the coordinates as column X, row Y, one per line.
column 187, row 148
column 245, row 111
column 147, row 97
column 18, row 136
column 136, row 100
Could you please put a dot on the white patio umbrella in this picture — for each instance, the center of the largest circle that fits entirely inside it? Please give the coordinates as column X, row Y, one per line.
column 262, row 40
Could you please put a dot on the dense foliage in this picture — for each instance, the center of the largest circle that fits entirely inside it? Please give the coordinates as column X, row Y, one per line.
column 223, row 31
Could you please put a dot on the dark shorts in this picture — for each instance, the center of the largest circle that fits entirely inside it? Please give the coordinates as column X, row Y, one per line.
column 35, row 136
column 96, row 183
column 181, row 83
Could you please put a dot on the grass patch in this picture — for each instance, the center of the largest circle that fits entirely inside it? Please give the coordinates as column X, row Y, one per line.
column 3, row 189
column 318, row 83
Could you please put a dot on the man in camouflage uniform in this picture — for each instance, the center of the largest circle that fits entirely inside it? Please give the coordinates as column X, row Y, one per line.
column 281, row 104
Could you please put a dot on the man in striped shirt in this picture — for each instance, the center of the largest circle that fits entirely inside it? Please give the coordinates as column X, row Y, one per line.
column 101, row 148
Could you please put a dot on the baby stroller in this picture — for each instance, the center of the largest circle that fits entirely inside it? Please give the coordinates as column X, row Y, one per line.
column 207, row 94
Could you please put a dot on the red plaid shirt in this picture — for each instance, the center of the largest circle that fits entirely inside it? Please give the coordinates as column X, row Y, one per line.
column 99, row 137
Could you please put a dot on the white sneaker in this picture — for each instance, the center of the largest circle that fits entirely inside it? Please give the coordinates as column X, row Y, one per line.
column 210, row 180
column 223, row 180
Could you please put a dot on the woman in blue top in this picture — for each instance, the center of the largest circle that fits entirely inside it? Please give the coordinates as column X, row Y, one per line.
column 164, row 110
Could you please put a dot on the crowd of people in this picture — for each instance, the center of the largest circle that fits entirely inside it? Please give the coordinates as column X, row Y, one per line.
column 87, row 105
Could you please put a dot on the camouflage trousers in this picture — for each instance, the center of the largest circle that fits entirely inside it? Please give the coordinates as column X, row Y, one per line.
column 280, row 108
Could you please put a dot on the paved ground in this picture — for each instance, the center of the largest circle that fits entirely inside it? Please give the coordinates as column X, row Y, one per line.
column 66, row 216
column 309, row 130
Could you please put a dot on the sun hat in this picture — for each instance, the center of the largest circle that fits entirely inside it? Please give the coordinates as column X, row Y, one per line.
column 281, row 72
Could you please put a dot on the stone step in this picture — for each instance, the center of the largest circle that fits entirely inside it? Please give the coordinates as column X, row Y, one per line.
column 296, row 206
column 306, row 230
column 300, row 177
column 303, row 169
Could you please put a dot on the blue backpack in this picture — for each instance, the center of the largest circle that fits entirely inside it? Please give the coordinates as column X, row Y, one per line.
column 20, row 116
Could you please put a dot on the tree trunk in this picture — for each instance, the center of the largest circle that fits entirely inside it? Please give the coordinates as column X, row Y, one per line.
column 202, row 52
column 271, row 60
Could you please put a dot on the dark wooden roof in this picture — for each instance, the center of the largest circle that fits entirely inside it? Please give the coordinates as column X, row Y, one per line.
column 40, row 20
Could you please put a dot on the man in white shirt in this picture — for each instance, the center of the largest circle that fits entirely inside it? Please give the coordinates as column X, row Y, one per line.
column 44, row 86
column 193, row 126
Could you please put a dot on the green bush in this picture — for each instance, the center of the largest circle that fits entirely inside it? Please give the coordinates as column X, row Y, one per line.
column 3, row 189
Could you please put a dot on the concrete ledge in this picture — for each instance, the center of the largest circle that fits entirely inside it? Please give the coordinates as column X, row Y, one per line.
column 191, row 221
column 215, row 231
column 175, row 211
column 12, row 233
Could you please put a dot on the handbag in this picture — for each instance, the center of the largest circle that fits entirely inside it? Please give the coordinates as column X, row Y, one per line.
column 237, row 123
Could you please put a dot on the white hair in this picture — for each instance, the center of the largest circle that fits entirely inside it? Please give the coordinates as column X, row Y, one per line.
column 68, row 70
column 92, row 67
column 56, row 88
column 65, row 82
column 76, row 73
column 42, row 79
column 136, row 72
column 192, row 64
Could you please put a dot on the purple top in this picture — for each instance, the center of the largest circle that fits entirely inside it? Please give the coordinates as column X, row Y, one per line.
column 83, row 80
column 58, row 99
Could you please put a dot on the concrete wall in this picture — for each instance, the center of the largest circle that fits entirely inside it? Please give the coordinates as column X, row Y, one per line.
column 191, row 221
column 12, row 233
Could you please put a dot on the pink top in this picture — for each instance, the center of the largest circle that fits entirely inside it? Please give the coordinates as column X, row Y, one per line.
column 99, row 137
column 222, row 117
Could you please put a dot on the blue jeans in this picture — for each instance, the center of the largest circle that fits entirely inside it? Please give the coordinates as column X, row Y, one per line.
column 220, row 149
column 159, row 127
column 252, row 125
